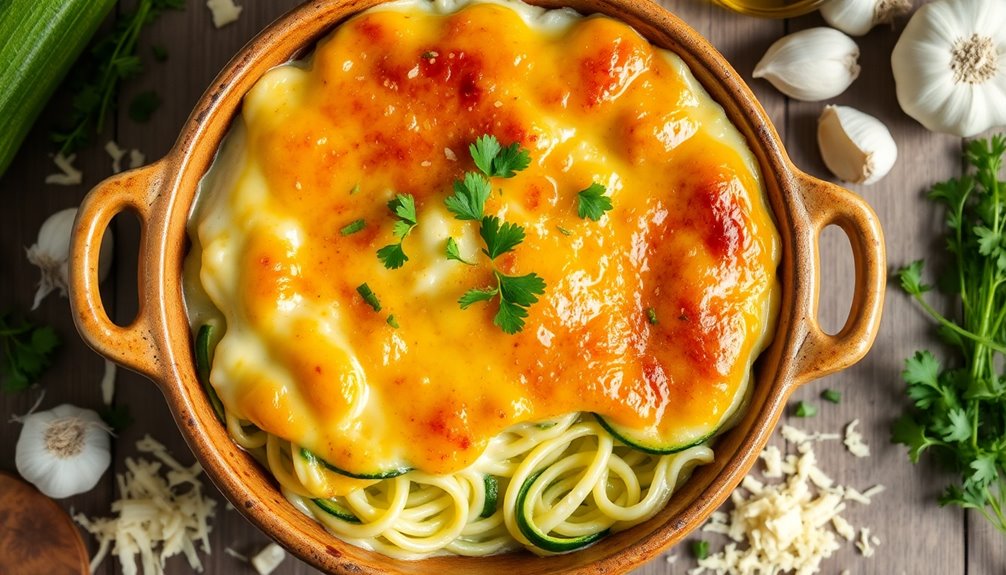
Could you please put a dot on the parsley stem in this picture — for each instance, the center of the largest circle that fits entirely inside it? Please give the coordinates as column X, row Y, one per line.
column 956, row 328
column 126, row 44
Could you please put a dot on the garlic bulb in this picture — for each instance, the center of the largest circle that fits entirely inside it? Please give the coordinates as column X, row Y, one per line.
column 52, row 250
column 63, row 451
column 950, row 66
column 856, row 147
column 857, row 17
column 811, row 65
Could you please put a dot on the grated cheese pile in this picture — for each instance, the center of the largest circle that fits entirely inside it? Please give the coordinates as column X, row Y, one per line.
column 791, row 525
column 158, row 515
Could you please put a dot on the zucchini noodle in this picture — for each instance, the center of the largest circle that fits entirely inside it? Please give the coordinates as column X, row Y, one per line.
column 578, row 484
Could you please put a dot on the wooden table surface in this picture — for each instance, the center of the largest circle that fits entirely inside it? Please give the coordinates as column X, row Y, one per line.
column 918, row 537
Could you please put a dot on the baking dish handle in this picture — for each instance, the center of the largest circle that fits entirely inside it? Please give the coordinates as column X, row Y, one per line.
column 827, row 204
column 133, row 345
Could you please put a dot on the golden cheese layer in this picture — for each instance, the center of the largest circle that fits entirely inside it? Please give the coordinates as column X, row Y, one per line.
column 388, row 104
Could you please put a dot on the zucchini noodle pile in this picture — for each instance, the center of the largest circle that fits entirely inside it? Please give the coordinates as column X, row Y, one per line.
column 551, row 487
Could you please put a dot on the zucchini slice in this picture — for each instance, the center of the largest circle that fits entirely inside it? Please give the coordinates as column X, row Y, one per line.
column 492, row 495
column 336, row 510
column 636, row 440
column 203, row 362
column 384, row 474
column 550, row 543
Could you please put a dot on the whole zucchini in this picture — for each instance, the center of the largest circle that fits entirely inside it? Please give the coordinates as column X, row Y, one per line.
column 41, row 40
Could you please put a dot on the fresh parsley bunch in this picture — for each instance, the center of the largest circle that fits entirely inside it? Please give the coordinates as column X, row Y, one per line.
column 960, row 404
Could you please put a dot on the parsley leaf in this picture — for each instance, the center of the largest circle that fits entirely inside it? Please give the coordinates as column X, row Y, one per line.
column 454, row 253
column 469, row 199
column 521, row 290
column 369, row 296
column 484, row 151
column 908, row 432
column 475, row 295
column 496, row 161
column 511, row 159
column 392, row 256
column 404, row 207
column 592, row 203
column 500, row 237
column 26, row 352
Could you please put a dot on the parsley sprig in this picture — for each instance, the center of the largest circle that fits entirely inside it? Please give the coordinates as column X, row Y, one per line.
column 515, row 293
column 25, row 352
column 113, row 59
column 404, row 207
column 960, row 404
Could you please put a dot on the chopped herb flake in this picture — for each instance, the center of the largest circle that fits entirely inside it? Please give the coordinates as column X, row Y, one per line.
column 369, row 296
column 353, row 227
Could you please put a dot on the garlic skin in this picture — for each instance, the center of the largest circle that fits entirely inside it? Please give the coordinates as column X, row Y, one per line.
column 950, row 66
column 856, row 147
column 857, row 17
column 811, row 65
column 63, row 451
column 51, row 253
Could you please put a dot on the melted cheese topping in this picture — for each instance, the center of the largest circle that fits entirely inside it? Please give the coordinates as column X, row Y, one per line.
column 389, row 104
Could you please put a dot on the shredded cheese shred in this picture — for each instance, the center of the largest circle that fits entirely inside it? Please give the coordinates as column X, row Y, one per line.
column 161, row 512
column 794, row 523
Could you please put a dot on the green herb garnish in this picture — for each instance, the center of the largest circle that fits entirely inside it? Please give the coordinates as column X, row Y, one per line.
column 404, row 207
column 563, row 231
column 651, row 316
column 960, row 404
column 369, row 296
column 469, row 199
column 700, row 549
column 354, row 189
column 498, row 162
column 454, row 253
column 392, row 321
column 113, row 59
column 516, row 294
column 831, row 395
column 592, row 203
column 25, row 352
column 500, row 237
column 353, row 227
column 804, row 409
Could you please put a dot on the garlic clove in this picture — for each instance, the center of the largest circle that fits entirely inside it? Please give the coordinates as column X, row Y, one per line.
column 63, row 451
column 811, row 65
column 51, row 254
column 857, row 17
column 856, row 147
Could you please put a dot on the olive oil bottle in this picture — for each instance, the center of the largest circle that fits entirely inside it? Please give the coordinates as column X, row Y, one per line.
column 771, row 8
